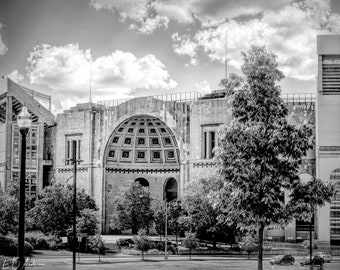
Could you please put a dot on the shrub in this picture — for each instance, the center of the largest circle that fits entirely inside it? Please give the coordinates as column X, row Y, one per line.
column 125, row 242
column 9, row 246
column 160, row 245
column 41, row 241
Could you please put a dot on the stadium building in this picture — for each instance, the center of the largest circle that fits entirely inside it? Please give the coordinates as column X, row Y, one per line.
column 164, row 142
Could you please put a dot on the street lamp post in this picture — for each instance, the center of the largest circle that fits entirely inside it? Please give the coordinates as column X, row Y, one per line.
column 166, row 224
column 166, row 231
column 24, row 122
column 74, row 202
column 166, row 228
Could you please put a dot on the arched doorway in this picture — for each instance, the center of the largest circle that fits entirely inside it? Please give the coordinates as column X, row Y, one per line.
column 143, row 182
column 171, row 189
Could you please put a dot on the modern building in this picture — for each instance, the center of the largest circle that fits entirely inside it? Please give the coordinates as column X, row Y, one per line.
column 165, row 141
column 39, row 146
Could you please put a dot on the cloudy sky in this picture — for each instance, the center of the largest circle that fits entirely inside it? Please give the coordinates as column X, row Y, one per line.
column 144, row 47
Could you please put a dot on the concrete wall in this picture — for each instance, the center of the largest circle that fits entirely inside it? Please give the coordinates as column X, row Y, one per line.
column 95, row 125
column 2, row 155
column 205, row 114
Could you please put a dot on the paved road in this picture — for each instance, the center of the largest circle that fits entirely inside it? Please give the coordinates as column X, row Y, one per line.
column 158, row 263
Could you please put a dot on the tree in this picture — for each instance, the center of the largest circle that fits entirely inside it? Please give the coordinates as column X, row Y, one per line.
column 8, row 213
column 133, row 209
column 199, row 205
column 142, row 242
column 53, row 210
column 260, row 151
column 248, row 244
column 190, row 242
column 159, row 219
column 304, row 200
column 174, row 212
column 96, row 244
column 87, row 222
column 232, row 84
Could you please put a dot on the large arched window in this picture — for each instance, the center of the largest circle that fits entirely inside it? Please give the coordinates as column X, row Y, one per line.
column 143, row 182
column 335, row 208
column 170, row 189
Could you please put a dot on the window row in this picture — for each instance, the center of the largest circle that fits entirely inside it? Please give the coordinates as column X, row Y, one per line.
column 144, row 141
column 143, row 156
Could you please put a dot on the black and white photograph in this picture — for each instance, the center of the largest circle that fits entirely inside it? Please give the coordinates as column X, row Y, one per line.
column 170, row 134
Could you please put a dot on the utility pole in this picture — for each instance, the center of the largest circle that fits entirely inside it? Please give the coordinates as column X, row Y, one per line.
column 74, row 239
column 166, row 231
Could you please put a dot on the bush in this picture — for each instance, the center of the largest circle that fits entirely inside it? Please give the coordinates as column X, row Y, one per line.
column 9, row 246
column 125, row 242
column 160, row 245
column 41, row 241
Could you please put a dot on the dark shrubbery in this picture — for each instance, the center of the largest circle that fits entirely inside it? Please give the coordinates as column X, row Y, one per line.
column 125, row 242
column 9, row 246
column 41, row 241
column 160, row 245
column 154, row 244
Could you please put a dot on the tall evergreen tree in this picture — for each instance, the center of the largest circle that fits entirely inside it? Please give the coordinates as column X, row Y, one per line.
column 260, row 151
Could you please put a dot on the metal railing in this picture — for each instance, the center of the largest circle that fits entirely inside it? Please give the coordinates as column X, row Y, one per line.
column 180, row 97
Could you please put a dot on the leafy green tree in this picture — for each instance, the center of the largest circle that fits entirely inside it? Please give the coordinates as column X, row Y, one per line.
column 96, row 244
column 232, row 84
column 8, row 213
column 133, row 209
column 304, row 200
column 87, row 222
column 142, row 242
column 190, row 242
column 248, row 244
column 159, row 219
column 201, row 215
column 174, row 212
column 260, row 151
column 53, row 210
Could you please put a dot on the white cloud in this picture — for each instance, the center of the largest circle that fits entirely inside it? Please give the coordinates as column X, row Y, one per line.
column 160, row 12
column 185, row 46
column 66, row 70
column 3, row 48
column 140, row 11
column 289, row 32
column 203, row 87
column 15, row 76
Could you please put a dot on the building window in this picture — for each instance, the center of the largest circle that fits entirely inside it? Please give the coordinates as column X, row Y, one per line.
column 154, row 142
column 125, row 154
column 212, row 143
column 209, row 140
column 73, row 144
column 111, row 153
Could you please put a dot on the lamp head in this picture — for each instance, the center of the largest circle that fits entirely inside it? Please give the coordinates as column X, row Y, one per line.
column 24, row 119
